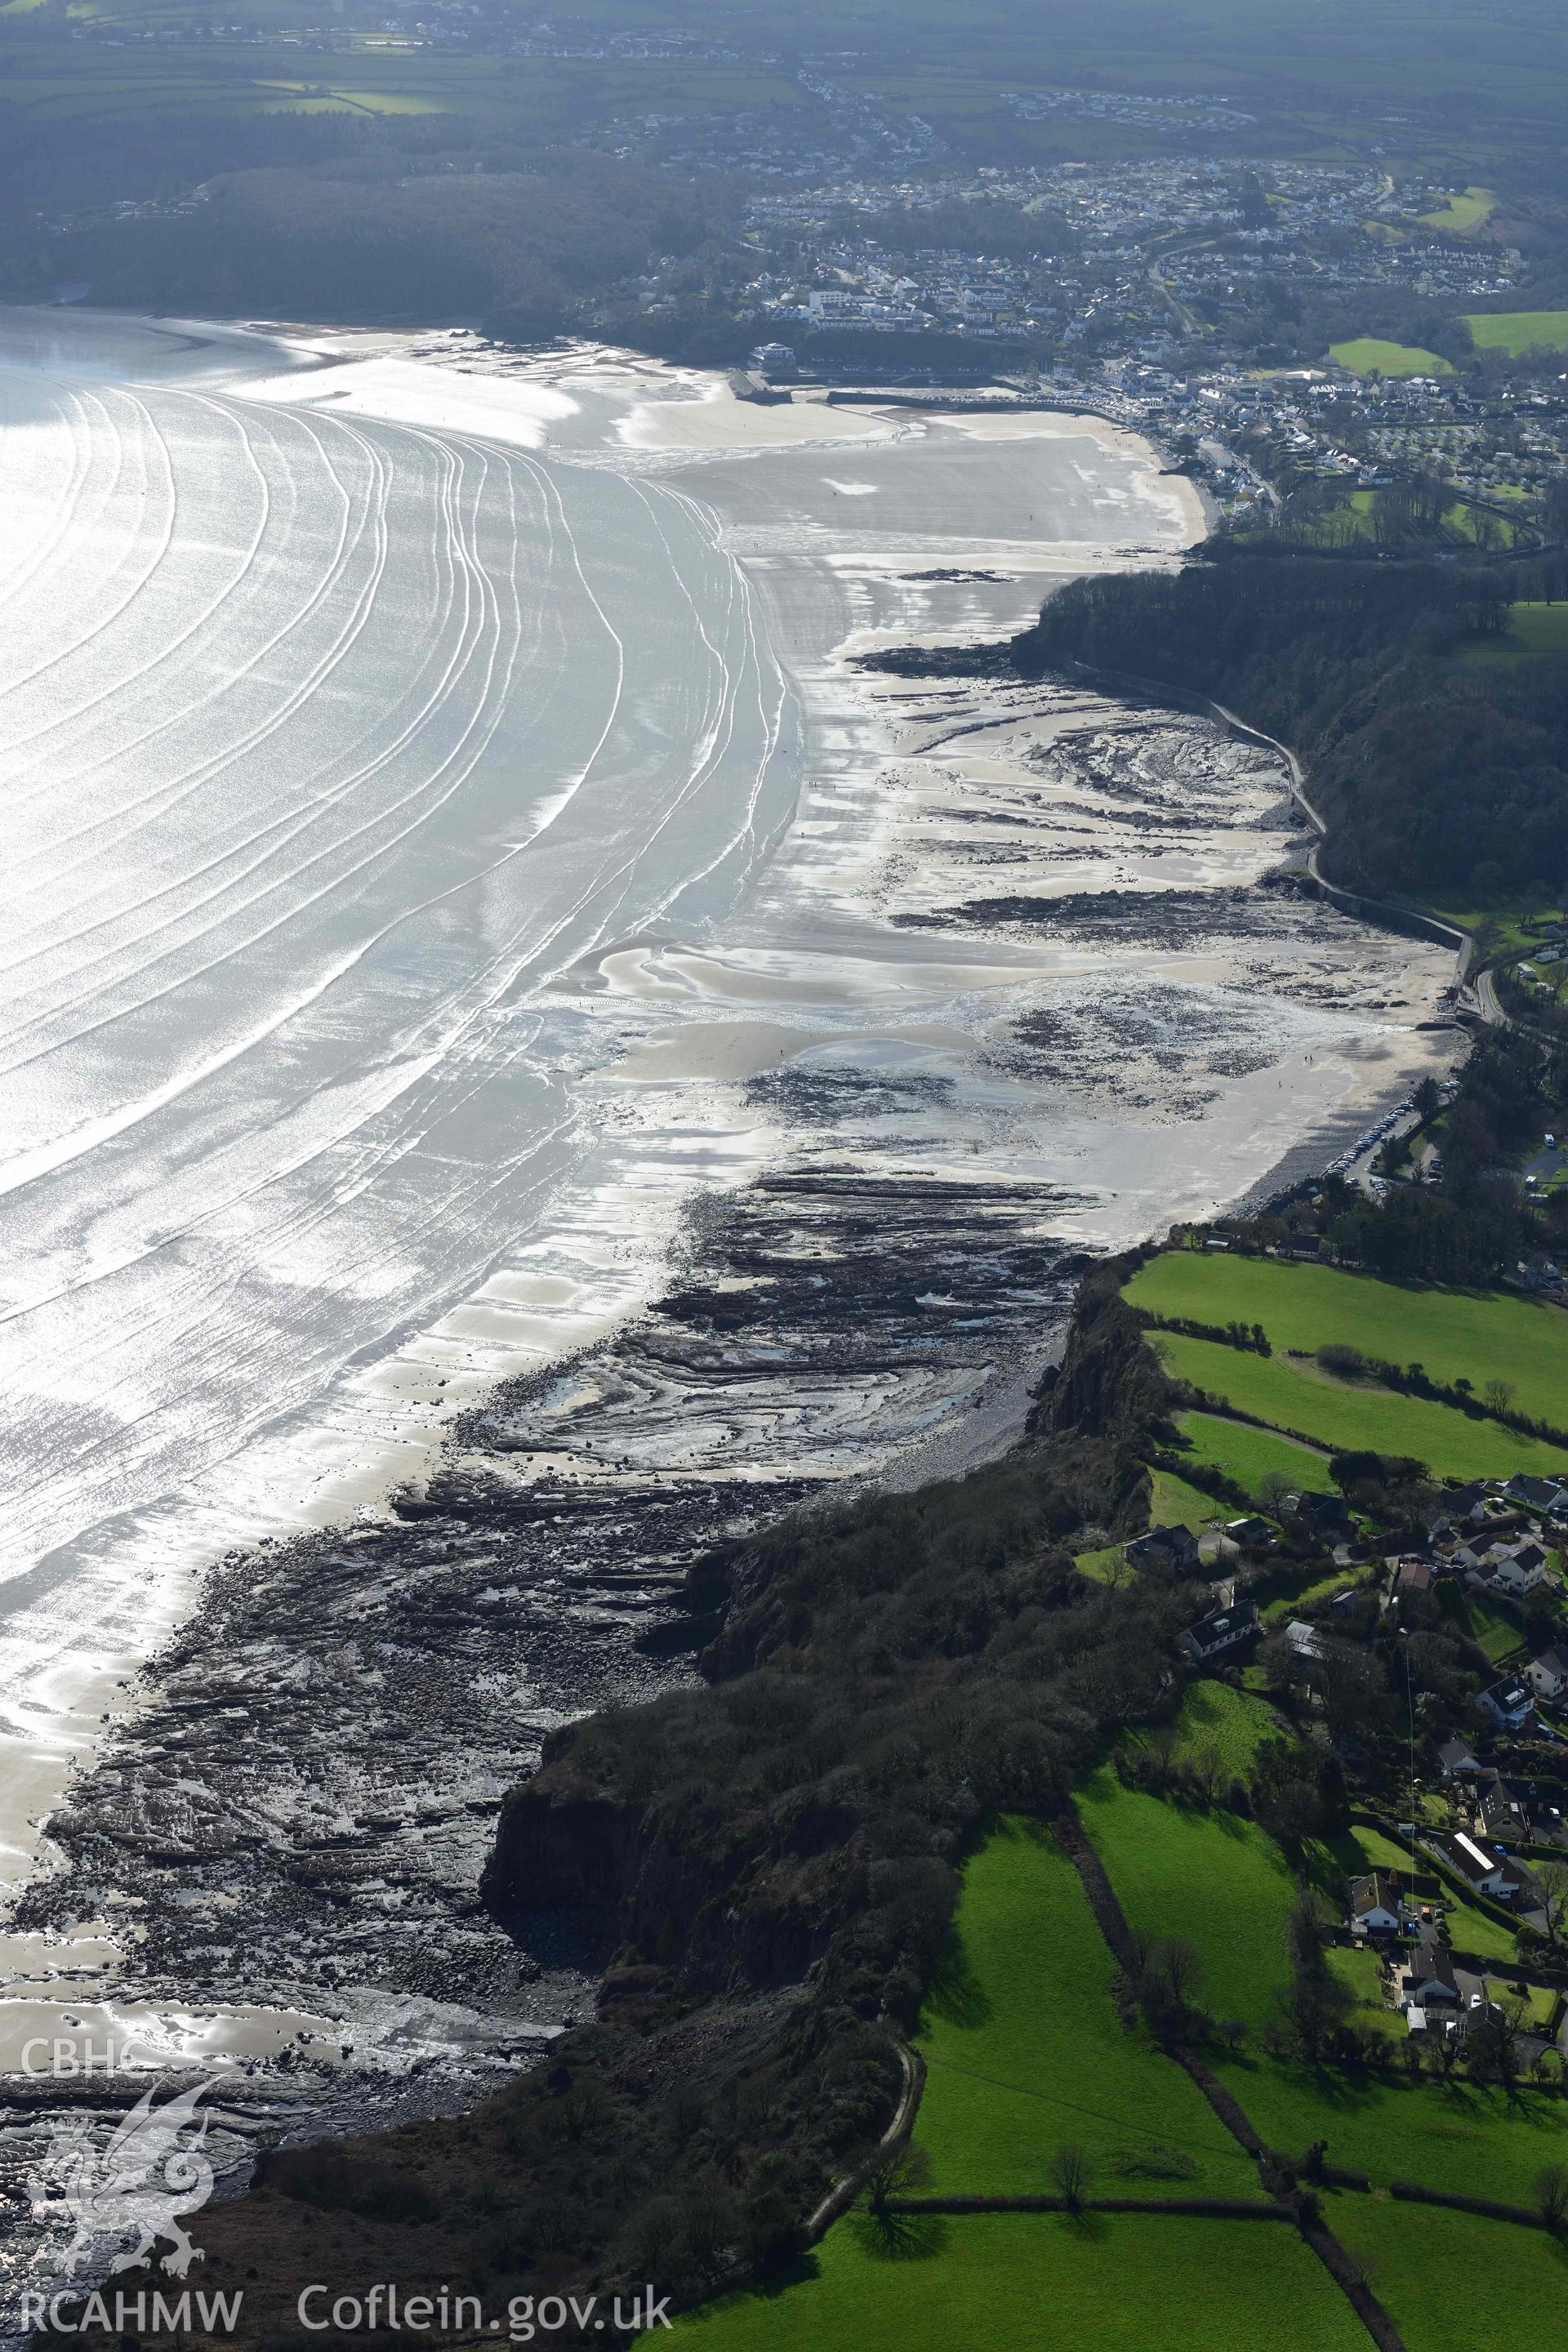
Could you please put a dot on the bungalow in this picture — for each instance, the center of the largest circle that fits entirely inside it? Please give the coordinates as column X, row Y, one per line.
column 1483, row 1867
column 1536, row 1494
column 1507, row 1704
column 1548, row 1675
column 1225, row 1629
column 1453, row 1757
column 1249, row 1533
column 1415, row 1576
column 1164, row 1548
column 1466, row 1502
column 1374, row 1906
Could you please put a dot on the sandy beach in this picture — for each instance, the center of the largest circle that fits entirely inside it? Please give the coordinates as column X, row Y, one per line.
column 641, row 898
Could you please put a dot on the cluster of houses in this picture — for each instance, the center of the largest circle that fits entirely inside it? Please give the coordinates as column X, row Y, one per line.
column 1152, row 312
column 1500, row 1537
column 1478, row 1537
column 1491, row 1537
column 1117, row 305
column 1436, row 1992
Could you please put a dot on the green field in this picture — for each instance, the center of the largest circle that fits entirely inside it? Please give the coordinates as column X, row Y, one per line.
column 1481, row 1335
column 1518, row 330
column 1491, row 1628
column 1362, row 1972
column 1535, row 632
column 1221, row 1883
column 1105, row 1563
column 1230, row 1723
column 1368, row 354
column 1462, row 214
column 1351, row 519
column 1024, row 2051
column 1173, row 1504
column 49, row 80
column 1313, row 1588
column 1362, row 1850
column 1039, row 2282
column 1506, row 922
column 1248, row 1454
column 1353, row 1416
column 1543, row 2006
column 1207, row 1875
column 1426, row 2262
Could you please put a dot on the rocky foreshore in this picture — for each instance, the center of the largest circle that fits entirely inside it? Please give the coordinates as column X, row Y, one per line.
column 296, row 1812
column 304, row 1810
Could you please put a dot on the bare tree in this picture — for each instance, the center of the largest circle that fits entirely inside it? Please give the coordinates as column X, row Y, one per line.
column 1497, row 1395
column 1206, row 1771
column 1178, row 1963
column 1551, row 1879
column 895, row 2172
column 1272, row 1489
column 1073, row 2176
column 1552, row 2195
column 1365, row 2269
column 1308, row 1925
column 1492, row 2050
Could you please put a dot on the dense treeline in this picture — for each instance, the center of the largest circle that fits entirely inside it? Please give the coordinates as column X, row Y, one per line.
column 403, row 217
column 59, row 165
column 1434, row 775
column 1480, row 1222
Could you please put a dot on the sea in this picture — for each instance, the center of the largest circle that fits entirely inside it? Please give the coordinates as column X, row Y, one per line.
column 440, row 800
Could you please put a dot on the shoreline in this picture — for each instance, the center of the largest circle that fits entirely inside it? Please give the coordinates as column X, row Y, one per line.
column 688, row 1393
column 530, row 1468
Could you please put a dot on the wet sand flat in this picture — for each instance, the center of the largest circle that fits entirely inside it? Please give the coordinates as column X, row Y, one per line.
column 456, row 855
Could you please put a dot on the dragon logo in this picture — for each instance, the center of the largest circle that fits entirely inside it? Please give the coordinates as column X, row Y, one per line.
column 131, row 2191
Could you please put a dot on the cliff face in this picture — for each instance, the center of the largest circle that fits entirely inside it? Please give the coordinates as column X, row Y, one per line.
column 1110, row 1386
column 566, row 1845
column 563, row 1846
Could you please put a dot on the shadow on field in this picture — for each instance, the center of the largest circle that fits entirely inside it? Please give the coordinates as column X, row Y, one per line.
column 900, row 2237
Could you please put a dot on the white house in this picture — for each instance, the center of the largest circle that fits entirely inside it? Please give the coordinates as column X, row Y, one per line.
column 1482, row 1866
column 1520, row 1570
column 1374, row 1906
column 1429, row 1981
column 1548, row 1675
